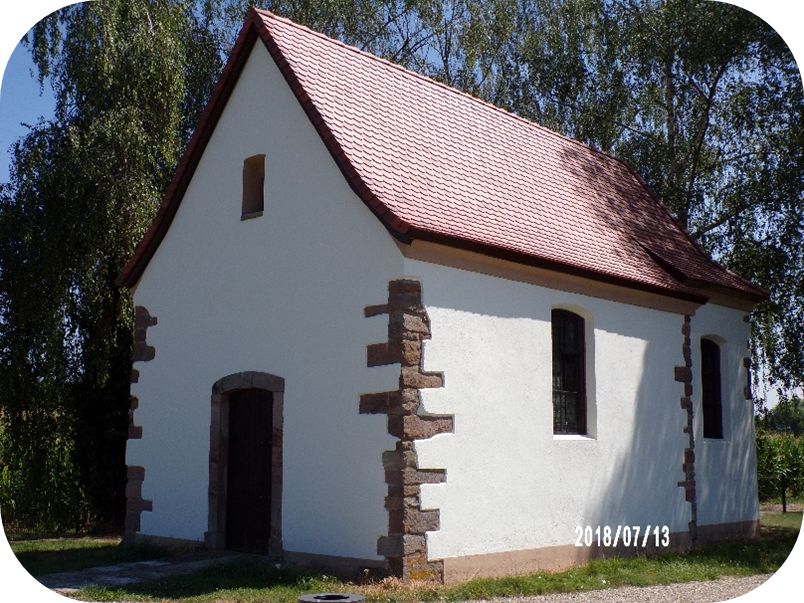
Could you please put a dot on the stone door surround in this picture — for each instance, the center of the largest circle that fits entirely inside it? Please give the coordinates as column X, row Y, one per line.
column 219, row 451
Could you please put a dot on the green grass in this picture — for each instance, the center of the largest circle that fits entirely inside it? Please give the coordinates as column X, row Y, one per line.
column 255, row 581
column 791, row 519
column 42, row 557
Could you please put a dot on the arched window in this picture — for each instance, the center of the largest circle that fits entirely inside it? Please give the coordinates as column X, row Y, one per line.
column 710, row 389
column 569, row 373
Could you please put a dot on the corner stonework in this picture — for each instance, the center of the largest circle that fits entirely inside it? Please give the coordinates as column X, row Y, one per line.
column 683, row 374
column 748, row 390
column 135, row 474
column 405, row 546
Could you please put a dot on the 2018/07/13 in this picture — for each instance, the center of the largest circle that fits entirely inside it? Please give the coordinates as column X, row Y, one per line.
column 625, row 535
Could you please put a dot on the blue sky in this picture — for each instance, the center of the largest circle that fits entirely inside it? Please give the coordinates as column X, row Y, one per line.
column 20, row 102
column 20, row 98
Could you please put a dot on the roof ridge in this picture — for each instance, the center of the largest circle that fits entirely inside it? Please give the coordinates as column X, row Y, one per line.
column 434, row 82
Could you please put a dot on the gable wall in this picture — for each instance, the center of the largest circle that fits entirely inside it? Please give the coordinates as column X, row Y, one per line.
column 283, row 294
column 509, row 482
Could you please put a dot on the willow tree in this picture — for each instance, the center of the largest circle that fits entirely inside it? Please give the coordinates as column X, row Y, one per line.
column 128, row 79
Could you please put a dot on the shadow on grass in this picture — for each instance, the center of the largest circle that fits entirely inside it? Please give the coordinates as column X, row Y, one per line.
column 738, row 558
column 791, row 519
column 764, row 555
column 51, row 556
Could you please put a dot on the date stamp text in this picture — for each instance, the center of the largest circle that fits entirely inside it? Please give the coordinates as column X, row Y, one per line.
column 627, row 536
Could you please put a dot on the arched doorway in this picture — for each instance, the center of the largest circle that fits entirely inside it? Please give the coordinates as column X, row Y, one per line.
column 245, row 463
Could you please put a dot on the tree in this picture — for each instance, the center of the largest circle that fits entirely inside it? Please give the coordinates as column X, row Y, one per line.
column 785, row 417
column 780, row 466
column 129, row 80
column 780, row 451
column 703, row 98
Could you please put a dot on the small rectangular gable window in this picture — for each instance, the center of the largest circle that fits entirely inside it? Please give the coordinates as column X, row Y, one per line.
column 253, row 186
column 710, row 389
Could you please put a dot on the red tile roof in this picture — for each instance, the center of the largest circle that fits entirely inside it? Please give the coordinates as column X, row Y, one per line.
column 436, row 164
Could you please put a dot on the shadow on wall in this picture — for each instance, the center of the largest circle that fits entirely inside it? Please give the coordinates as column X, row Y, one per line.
column 653, row 461
column 650, row 463
column 628, row 474
column 643, row 488
column 723, row 462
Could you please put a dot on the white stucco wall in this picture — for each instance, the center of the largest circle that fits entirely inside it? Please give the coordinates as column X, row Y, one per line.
column 510, row 483
column 283, row 293
column 725, row 468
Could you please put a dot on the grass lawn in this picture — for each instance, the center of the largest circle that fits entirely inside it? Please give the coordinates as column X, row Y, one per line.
column 790, row 520
column 256, row 581
column 52, row 555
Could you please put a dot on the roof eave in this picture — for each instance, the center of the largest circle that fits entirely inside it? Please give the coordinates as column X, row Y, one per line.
column 682, row 292
column 742, row 299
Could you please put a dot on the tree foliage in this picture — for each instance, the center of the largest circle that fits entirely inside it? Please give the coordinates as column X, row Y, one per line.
column 129, row 79
column 702, row 98
column 786, row 417
column 780, row 465
column 705, row 101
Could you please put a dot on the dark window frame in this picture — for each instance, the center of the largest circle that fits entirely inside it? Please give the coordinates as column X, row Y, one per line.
column 711, row 390
column 568, row 373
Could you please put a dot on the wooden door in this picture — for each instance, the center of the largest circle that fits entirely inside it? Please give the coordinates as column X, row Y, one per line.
column 248, row 488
